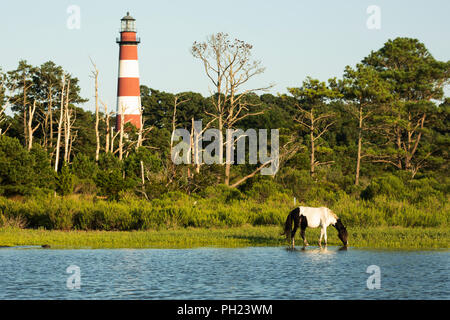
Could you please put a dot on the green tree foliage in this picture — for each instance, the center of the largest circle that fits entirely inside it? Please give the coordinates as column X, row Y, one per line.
column 151, row 163
column 43, row 84
column 316, row 115
column 84, row 167
column 367, row 95
column 23, row 172
column 45, row 176
column 417, row 80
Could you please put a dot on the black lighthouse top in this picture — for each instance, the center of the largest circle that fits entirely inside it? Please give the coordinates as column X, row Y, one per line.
column 128, row 31
column 128, row 24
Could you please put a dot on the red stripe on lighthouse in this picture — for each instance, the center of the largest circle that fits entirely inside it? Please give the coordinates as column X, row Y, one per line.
column 128, row 36
column 129, row 87
column 128, row 52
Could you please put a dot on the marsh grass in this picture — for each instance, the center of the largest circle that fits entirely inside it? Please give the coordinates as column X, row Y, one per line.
column 234, row 237
column 178, row 210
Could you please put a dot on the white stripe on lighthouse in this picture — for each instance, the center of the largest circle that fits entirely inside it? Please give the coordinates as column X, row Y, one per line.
column 131, row 105
column 129, row 69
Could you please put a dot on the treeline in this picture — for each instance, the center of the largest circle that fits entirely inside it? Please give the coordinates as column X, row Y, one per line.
column 378, row 130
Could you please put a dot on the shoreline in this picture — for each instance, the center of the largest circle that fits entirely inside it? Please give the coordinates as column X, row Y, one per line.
column 403, row 238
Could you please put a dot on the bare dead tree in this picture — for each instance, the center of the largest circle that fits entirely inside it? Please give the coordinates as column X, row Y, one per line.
column 68, row 122
column 143, row 133
column 60, row 122
column 47, row 125
column 140, row 132
column 25, row 103
column 50, row 114
column 97, row 117
column 228, row 65
column 121, row 133
column 317, row 125
column 113, row 138
column 30, row 129
column 73, row 137
column 197, row 145
column 107, row 118
column 176, row 102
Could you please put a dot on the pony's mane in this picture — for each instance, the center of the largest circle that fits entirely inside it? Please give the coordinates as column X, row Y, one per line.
column 333, row 214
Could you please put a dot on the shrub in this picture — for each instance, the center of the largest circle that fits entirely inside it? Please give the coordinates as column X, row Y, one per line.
column 222, row 193
column 66, row 181
column 111, row 183
column 265, row 189
column 84, row 186
column 388, row 185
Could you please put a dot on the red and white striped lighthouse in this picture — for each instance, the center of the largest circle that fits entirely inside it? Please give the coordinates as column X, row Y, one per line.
column 128, row 90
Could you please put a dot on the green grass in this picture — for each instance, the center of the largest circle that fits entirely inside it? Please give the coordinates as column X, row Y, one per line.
column 176, row 210
column 243, row 236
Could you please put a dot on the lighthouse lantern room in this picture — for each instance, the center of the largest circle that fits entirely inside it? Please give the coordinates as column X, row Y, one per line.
column 128, row 24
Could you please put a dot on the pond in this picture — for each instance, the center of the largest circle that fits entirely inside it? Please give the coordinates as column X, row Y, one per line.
column 215, row 273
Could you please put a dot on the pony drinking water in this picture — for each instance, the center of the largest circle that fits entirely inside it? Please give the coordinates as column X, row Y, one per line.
column 313, row 217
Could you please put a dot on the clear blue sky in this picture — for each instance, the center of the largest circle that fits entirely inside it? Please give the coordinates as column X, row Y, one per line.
column 292, row 38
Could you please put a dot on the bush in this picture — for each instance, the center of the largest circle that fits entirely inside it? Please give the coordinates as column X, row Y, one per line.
column 222, row 193
column 111, row 183
column 61, row 216
column 388, row 185
column 84, row 186
column 66, row 181
column 265, row 189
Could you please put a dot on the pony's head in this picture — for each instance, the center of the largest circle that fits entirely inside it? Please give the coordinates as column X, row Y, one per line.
column 342, row 232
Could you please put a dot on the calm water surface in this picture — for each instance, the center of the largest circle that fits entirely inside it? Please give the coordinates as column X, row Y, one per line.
column 247, row 273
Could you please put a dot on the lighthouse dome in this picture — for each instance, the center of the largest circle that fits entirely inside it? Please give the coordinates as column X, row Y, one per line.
column 128, row 17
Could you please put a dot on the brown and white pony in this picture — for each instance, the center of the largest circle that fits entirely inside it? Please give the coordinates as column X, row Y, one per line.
column 313, row 217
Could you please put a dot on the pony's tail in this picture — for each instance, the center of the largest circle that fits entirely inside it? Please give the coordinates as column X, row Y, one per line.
column 288, row 224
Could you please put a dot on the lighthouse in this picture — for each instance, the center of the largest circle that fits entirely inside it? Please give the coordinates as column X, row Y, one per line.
column 128, row 90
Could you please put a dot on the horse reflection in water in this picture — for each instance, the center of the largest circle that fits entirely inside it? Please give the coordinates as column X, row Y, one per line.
column 304, row 217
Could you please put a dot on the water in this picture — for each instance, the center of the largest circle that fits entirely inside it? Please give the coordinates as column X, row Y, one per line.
column 247, row 273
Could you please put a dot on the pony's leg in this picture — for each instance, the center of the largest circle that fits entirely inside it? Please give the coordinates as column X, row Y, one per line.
column 325, row 234
column 302, row 233
column 303, row 226
column 296, row 225
column 321, row 236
